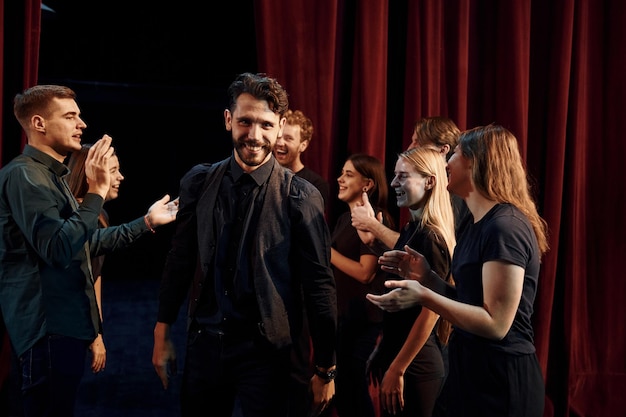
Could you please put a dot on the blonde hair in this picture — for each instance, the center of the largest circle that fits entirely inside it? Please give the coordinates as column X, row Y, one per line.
column 437, row 214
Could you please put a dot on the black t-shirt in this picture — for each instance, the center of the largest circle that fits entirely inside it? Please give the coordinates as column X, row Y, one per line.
column 318, row 181
column 427, row 363
column 503, row 234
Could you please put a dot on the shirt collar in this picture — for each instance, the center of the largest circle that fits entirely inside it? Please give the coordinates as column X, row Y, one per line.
column 259, row 175
column 42, row 157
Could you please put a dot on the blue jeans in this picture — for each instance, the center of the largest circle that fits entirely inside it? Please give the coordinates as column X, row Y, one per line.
column 228, row 375
column 51, row 372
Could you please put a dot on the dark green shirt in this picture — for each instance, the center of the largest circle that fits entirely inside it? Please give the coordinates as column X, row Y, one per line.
column 46, row 286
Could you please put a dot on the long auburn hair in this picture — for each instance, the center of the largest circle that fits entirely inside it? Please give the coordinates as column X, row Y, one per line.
column 499, row 174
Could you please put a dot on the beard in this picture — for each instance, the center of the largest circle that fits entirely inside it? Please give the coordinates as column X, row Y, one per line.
column 252, row 152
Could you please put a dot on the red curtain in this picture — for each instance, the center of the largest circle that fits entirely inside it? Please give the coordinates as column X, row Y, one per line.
column 23, row 54
column 552, row 73
column 310, row 51
column 549, row 71
column 19, row 47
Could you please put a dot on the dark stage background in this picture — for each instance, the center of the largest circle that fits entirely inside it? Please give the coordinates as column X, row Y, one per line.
column 154, row 78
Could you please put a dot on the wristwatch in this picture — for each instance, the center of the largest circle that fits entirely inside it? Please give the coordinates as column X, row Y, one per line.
column 327, row 376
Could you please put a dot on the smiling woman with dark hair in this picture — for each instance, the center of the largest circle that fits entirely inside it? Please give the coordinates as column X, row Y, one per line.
column 77, row 182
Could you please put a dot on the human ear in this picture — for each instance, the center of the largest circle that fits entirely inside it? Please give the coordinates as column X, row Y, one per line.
column 38, row 123
column 228, row 120
column 431, row 181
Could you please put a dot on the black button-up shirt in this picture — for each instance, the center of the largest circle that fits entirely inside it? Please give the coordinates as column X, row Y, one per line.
column 235, row 217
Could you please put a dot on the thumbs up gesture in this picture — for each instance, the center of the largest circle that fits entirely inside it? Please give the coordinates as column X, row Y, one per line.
column 364, row 219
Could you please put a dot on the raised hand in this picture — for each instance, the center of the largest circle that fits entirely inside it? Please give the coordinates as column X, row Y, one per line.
column 97, row 166
column 162, row 212
column 362, row 216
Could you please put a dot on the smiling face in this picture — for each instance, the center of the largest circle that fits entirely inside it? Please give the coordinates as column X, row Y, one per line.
column 255, row 129
column 289, row 147
column 411, row 187
column 116, row 178
column 351, row 184
column 459, row 174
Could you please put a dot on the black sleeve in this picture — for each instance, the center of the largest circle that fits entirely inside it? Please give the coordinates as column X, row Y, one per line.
column 180, row 264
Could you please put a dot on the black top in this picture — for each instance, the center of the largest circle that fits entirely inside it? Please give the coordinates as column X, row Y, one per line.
column 503, row 234
column 427, row 363
column 285, row 260
column 462, row 215
column 351, row 302
column 239, row 198
column 318, row 181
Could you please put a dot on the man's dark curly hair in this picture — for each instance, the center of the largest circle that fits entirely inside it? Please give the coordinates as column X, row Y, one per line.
column 261, row 87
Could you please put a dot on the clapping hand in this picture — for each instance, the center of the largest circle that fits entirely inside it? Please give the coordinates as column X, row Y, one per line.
column 407, row 263
column 97, row 166
column 410, row 265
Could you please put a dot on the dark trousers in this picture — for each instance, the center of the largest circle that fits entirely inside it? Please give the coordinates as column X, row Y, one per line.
column 356, row 342
column 490, row 383
column 234, row 375
column 51, row 372
column 300, row 396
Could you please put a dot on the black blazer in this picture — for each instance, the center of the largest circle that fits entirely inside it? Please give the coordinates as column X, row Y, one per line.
column 291, row 257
